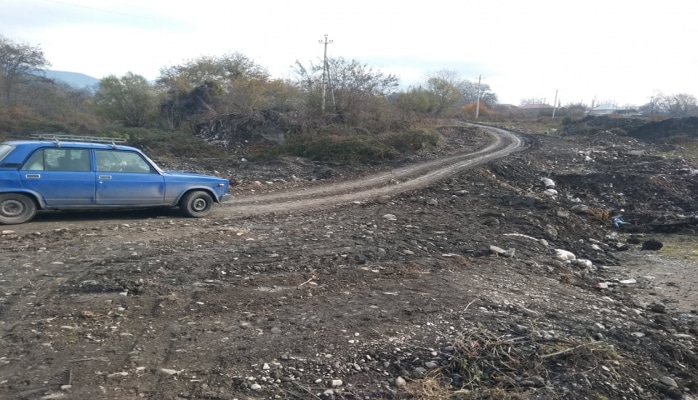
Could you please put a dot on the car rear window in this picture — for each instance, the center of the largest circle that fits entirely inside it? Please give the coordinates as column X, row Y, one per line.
column 5, row 149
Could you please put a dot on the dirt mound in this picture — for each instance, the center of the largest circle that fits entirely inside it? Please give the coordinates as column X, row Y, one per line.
column 658, row 131
column 615, row 128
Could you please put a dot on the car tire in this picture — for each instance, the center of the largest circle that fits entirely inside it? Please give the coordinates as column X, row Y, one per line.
column 196, row 204
column 16, row 208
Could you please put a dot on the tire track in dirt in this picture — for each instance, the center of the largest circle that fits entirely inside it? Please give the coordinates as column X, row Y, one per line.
column 387, row 183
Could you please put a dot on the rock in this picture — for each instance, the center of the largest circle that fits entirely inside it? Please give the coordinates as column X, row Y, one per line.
column 168, row 371
column 582, row 263
column 431, row 364
column 564, row 255
column 580, row 208
column 551, row 231
column 432, row 202
column 550, row 193
column 652, row 244
column 336, row 383
column 390, row 217
column 497, row 250
column 563, row 214
column 633, row 240
column 665, row 380
column 658, row 308
column 255, row 386
column 400, row 382
column 639, row 304
column 622, row 247
column 547, row 182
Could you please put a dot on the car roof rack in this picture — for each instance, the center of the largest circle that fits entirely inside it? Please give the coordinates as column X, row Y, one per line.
column 58, row 137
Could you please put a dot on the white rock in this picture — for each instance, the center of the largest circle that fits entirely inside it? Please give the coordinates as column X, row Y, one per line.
column 564, row 255
column 400, row 382
column 550, row 192
column 168, row 371
column 390, row 217
column 547, row 182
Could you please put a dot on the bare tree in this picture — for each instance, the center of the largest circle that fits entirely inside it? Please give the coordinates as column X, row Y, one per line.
column 682, row 105
column 355, row 88
column 19, row 63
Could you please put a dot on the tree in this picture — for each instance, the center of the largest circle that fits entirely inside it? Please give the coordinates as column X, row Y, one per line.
column 19, row 63
column 415, row 100
column 209, row 86
column 682, row 105
column 130, row 100
column 444, row 89
column 218, row 70
column 356, row 90
column 471, row 91
column 450, row 93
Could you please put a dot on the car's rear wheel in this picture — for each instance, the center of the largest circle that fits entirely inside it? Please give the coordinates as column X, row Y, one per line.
column 16, row 208
column 196, row 204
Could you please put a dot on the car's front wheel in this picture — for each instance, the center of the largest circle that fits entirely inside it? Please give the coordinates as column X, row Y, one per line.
column 16, row 208
column 196, row 204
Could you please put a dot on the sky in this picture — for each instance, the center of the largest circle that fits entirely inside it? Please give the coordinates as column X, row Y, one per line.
column 592, row 51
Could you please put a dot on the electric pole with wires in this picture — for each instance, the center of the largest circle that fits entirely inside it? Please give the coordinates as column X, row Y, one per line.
column 325, row 71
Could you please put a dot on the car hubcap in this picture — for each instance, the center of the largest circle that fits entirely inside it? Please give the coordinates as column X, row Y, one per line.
column 199, row 205
column 11, row 208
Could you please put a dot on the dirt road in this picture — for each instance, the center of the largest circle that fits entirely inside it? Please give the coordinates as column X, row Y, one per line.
column 397, row 293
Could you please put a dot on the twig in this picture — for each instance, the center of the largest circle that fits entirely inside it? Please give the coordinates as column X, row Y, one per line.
column 308, row 281
column 469, row 304
column 306, row 390
column 568, row 350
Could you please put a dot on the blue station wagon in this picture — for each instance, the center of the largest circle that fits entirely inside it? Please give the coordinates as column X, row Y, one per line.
column 71, row 172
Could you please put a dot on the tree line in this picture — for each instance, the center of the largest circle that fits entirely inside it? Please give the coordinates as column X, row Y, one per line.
column 201, row 90
column 205, row 88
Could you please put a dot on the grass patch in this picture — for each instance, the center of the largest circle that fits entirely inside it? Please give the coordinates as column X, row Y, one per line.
column 684, row 247
column 356, row 148
column 164, row 144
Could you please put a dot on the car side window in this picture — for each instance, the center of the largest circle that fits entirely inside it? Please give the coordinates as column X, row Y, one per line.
column 74, row 160
column 121, row 161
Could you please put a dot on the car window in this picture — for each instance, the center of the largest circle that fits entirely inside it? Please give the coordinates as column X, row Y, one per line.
column 121, row 161
column 5, row 149
column 75, row 160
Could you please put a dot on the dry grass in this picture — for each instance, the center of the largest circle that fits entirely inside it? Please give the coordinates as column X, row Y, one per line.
column 509, row 367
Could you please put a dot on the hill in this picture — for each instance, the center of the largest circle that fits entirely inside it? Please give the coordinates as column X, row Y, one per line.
column 74, row 79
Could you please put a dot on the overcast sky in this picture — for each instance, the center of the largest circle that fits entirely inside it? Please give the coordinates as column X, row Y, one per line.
column 608, row 50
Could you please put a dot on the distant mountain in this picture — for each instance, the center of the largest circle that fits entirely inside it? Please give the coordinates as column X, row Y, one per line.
column 73, row 79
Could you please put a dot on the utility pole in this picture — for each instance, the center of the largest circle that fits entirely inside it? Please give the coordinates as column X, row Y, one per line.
column 477, row 106
column 325, row 71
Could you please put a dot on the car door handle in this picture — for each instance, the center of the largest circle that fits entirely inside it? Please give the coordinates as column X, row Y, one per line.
column 105, row 177
column 33, row 176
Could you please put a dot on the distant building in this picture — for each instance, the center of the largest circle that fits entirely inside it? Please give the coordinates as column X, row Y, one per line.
column 608, row 109
column 603, row 109
column 536, row 109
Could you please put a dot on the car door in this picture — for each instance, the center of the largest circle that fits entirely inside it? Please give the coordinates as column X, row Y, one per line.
column 126, row 178
column 62, row 176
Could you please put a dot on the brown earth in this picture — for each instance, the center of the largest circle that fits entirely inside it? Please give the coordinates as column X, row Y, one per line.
column 437, row 277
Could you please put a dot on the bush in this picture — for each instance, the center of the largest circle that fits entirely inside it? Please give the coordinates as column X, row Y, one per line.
column 164, row 144
column 411, row 141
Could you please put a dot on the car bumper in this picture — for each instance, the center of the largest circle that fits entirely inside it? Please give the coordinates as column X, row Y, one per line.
column 226, row 198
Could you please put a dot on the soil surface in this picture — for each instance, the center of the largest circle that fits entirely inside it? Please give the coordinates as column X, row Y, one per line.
column 489, row 269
